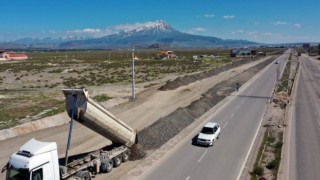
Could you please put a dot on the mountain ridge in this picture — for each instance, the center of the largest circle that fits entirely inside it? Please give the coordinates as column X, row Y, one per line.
column 157, row 32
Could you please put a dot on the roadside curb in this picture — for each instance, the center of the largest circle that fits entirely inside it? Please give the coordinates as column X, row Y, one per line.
column 47, row 122
column 284, row 168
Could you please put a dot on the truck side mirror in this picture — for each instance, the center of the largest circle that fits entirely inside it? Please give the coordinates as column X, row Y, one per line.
column 5, row 168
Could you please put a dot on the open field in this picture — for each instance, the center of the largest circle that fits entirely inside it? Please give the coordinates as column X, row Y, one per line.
column 33, row 87
column 150, row 105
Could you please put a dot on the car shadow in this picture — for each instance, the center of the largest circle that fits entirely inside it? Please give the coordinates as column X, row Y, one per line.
column 194, row 142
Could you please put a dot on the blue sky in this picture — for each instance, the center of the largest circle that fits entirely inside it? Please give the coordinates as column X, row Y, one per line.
column 266, row 21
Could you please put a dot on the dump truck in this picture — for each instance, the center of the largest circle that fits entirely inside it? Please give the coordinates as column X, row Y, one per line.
column 39, row 160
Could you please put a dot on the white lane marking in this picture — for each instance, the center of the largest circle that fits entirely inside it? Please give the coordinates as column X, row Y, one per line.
column 202, row 156
column 232, row 115
column 224, row 126
column 250, row 148
column 188, row 178
column 238, row 107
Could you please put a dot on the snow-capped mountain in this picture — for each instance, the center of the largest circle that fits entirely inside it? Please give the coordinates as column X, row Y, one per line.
column 150, row 28
column 154, row 27
column 143, row 35
column 158, row 32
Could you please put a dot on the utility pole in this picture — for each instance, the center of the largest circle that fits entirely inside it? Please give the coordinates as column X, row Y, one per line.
column 133, row 93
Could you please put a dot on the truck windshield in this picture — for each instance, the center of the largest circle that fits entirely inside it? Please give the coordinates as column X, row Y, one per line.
column 17, row 174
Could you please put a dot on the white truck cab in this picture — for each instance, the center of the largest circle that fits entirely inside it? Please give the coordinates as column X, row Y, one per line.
column 39, row 160
column 35, row 160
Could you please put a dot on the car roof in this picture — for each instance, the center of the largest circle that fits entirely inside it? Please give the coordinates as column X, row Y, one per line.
column 210, row 124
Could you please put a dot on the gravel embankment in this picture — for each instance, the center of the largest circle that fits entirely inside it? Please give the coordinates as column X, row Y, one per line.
column 183, row 81
column 167, row 127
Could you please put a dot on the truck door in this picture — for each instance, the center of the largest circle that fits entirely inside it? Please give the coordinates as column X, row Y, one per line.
column 43, row 172
column 37, row 174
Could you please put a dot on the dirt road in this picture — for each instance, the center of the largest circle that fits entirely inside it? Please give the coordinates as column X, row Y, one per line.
column 149, row 106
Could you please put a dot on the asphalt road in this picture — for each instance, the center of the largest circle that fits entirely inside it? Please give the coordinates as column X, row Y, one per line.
column 304, row 158
column 148, row 107
column 240, row 120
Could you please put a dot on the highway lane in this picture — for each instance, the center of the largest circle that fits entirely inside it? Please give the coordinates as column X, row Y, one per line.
column 304, row 159
column 85, row 140
column 240, row 120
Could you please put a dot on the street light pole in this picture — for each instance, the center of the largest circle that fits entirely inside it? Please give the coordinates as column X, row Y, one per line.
column 133, row 84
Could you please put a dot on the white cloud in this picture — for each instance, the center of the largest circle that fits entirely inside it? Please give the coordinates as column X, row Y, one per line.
column 277, row 23
column 252, row 33
column 91, row 32
column 199, row 29
column 52, row 32
column 85, row 31
column 266, row 34
column 127, row 27
column 240, row 31
column 228, row 17
column 194, row 30
column 298, row 26
column 209, row 15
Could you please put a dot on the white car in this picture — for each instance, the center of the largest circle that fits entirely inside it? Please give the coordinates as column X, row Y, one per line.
column 209, row 133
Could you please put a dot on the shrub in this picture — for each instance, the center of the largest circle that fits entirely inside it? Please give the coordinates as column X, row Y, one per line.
column 273, row 164
column 271, row 139
column 258, row 170
column 279, row 145
column 101, row 98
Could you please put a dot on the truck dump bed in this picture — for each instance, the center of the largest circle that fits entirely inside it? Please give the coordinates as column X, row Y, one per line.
column 97, row 118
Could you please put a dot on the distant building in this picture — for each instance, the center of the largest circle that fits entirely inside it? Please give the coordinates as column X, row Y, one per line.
column 242, row 52
column 306, row 46
column 4, row 55
column 166, row 54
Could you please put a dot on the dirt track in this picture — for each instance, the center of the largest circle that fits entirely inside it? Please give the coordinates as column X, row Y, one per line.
column 149, row 106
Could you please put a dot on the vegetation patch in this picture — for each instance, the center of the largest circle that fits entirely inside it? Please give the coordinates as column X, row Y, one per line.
column 102, row 98
column 33, row 87
column 30, row 107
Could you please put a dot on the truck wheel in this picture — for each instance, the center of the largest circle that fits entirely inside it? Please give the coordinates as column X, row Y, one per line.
column 84, row 175
column 117, row 160
column 125, row 156
column 106, row 166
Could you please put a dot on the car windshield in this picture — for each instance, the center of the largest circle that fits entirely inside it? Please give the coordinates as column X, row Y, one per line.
column 207, row 130
column 17, row 174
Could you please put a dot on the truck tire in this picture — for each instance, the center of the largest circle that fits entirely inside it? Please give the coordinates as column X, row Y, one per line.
column 117, row 160
column 106, row 166
column 84, row 175
column 125, row 156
